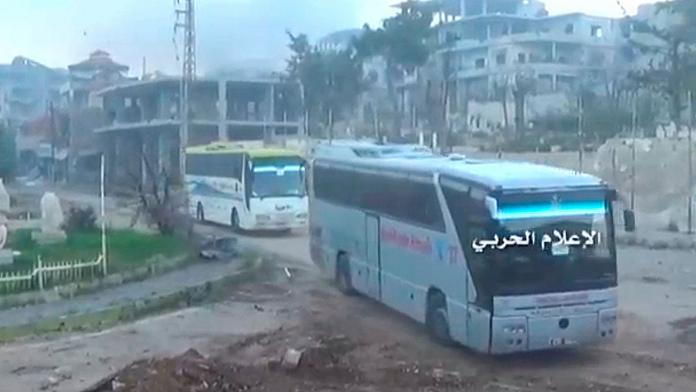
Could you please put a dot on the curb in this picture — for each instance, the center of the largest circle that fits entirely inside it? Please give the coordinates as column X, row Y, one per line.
column 151, row 268
column 206, row 292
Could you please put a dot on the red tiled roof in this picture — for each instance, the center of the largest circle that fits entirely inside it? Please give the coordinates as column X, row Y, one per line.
column 98, row 59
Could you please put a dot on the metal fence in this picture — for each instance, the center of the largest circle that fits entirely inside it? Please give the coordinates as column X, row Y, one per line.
column 45, row 275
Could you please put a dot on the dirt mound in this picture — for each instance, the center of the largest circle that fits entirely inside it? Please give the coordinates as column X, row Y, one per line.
column 660, row 176
column 185, row 373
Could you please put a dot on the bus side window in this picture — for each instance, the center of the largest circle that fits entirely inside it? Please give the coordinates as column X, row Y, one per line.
column 470, row 220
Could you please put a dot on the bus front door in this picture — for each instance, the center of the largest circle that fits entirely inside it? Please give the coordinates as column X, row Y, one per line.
column 374, row 264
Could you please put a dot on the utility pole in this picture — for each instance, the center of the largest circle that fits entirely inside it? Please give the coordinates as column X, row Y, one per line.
column 691, row 167
column 188, row 74
column 450, row 40
column 634, row 125
column 52, row 119
column 580, row 131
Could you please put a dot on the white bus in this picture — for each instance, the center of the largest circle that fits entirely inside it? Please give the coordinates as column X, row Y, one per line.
column 498, row 256
column 247, row 188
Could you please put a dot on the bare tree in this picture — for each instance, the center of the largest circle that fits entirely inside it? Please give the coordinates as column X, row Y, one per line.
column 159, row 203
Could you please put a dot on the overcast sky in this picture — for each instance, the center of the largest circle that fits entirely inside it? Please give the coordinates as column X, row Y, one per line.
column 230, row 32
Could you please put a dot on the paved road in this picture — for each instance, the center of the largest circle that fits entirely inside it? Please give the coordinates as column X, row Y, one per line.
column 293, row 246
column 169, row 283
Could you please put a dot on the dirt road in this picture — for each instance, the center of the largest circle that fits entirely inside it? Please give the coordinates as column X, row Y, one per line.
column 356, row 344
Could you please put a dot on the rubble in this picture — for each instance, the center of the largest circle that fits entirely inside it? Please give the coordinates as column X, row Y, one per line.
column 188, row 372
column 291, row 358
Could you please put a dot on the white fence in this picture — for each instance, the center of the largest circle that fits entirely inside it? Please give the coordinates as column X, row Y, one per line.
column 44, row 275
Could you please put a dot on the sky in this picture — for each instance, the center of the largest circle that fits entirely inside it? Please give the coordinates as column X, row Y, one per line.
column 230, row 33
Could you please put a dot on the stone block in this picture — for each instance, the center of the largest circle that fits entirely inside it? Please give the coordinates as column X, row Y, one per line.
column 49, row 237
column 6, row 256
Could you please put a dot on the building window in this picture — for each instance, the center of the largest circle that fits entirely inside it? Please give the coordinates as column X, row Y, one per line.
column 501, row 59
column 597, row 32
column 521, row 58
column 570, row 28
column 596, row 59
column 480, row 63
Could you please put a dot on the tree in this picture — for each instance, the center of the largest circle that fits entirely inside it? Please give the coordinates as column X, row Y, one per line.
column 8, row 153
column 402, row 43
column 331, row 81
column 523, row 84
column 159, row 203
column 305, row 67
column 500, row 91
column 672, row 55
column 672, row 66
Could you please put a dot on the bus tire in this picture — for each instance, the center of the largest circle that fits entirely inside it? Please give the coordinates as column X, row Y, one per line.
column 343, row 280
column 436, row 319
column 200, row 213
column 234, row 221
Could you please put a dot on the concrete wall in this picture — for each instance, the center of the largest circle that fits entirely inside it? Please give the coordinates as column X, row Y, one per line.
column 488, row 116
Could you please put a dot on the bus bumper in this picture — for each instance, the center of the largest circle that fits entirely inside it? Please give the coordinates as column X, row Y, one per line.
column 518, row 334
column 274, row 223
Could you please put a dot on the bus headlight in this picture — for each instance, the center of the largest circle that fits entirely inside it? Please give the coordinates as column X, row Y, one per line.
column 263, row 218
column 608, row 318
column 515, row 329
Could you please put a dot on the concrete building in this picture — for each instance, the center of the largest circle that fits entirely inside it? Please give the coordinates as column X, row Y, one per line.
column 142, row 119
column 337, row 41
column 96, row 72
column 84, row 110
column 489, row 43
column 26, row 89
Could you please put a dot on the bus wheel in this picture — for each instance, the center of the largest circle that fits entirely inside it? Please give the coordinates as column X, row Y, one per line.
column 436, row 319
column 200, row 214
column 343, row 280
column 234, row 220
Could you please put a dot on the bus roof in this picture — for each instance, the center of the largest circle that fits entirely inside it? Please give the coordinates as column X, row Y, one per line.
column 228, row 148
column 367, row 149
column 492, row 174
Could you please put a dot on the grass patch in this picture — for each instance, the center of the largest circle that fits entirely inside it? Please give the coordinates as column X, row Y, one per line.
column 126, row 249
column 195, row 296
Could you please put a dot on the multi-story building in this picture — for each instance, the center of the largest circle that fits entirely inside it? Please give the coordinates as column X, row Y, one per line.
column 26, row 90
column 84, row 110
column 142, row 120
column 92, row 74
column 490, row 43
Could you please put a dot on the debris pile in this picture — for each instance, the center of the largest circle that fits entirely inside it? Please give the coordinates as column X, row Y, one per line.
column 189, row 372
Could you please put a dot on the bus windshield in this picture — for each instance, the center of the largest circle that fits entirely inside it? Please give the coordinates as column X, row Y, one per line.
column 278, row 177
column 543, row 268
column 551, row 264
column 537, row 261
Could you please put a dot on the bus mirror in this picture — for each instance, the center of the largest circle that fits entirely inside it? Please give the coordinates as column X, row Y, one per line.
column 629, row 221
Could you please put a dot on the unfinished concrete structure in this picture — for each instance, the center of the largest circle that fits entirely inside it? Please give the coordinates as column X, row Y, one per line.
column 143, row 121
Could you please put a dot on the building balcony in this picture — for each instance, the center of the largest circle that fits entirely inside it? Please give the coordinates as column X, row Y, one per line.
column 538, row 68
column 529, row 38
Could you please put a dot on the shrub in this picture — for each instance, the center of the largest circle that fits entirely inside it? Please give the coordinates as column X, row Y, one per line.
column 80, row 219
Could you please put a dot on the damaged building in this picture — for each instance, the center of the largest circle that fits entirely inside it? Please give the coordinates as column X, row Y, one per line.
column 492, row 43
column 142, row 120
